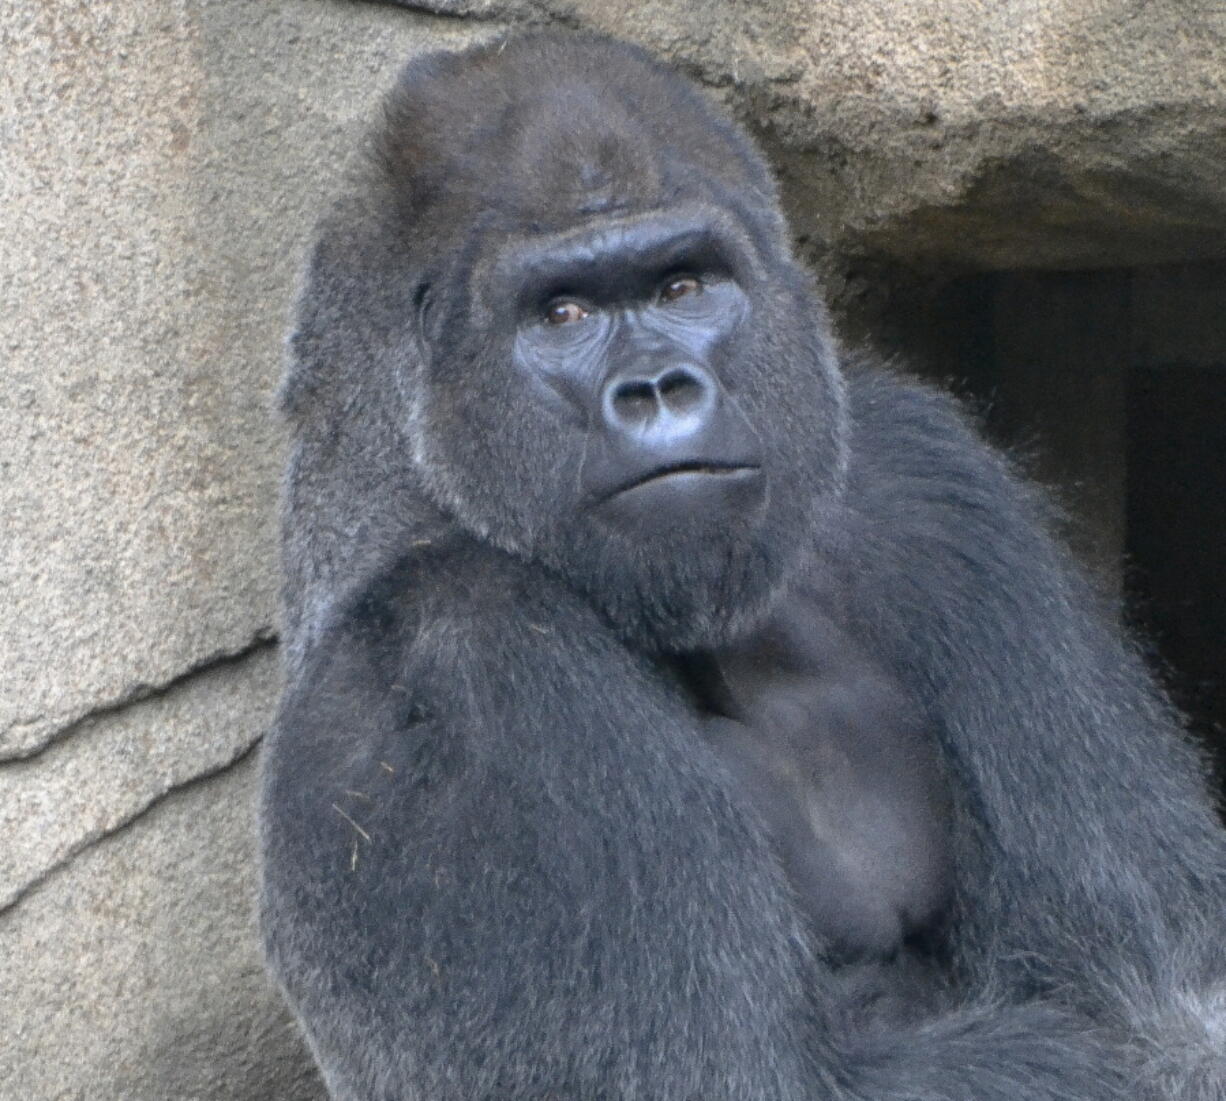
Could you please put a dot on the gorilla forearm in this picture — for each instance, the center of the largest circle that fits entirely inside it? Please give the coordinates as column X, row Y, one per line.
column 537, row 840
column 1004, row 641
column 517, row 827
column 962, row 591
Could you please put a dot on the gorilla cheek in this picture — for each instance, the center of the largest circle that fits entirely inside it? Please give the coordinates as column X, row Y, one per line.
column 523, row 488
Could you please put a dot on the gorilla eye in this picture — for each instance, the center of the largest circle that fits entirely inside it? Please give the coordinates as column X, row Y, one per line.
column 560, row 313
column 679, row 287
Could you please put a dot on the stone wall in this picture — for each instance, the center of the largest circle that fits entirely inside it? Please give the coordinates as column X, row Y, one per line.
column 160, row 167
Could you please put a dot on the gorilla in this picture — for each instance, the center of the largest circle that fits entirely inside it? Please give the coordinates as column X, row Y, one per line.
column 677, row 707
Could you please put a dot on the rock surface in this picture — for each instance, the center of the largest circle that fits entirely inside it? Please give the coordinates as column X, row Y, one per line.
column 160, row 168
column 133, row 974
column 1058, row 135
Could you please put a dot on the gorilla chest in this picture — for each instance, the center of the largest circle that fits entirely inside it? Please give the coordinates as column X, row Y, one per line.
column 845, row 775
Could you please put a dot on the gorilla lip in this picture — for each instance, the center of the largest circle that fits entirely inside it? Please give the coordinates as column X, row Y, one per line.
column 701, row 468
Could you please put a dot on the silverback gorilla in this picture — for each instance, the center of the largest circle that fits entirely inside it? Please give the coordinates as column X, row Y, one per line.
column 674, row 708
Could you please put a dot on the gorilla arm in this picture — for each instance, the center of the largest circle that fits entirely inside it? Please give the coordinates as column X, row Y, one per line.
column 1090, row 864
column 500, row 862
column 500, row 865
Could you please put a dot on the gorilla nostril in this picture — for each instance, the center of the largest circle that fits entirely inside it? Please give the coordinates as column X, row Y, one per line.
column 678, row 392
column 681, row 391
column 635, row 402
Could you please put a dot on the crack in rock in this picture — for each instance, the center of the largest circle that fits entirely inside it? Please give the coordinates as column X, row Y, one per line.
column 12, row 898
column 80, row 790
column 28, row 737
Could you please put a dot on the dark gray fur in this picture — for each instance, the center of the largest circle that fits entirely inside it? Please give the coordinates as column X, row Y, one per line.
column 500, row 859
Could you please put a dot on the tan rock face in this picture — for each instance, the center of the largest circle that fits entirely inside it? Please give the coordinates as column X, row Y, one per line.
column 160, row 170
column 135, row 974
column 1060, row 134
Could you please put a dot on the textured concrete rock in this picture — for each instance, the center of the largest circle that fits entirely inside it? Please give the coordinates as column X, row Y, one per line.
column 162, row 165
column 119, row 764
column 1062, row 134
column 133, row 974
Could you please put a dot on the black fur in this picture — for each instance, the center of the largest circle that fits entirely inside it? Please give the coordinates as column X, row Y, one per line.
column 503, row 855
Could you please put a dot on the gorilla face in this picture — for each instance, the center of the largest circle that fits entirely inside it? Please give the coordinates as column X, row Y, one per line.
column 629, row 383
column 630, row 344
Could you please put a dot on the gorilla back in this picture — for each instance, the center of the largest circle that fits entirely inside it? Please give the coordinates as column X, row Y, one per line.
column 673, row 710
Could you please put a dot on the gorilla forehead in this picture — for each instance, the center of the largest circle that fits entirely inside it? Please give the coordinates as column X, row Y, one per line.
column 481, row 131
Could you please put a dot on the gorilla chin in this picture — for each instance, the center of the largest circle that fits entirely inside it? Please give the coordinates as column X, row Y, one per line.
column 695, row 569
column 686, row 561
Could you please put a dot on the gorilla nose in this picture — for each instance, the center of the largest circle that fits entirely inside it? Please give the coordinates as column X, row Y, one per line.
column 657, row 408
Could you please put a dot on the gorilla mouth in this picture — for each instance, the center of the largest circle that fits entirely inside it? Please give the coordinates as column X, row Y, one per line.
column 699, row 468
